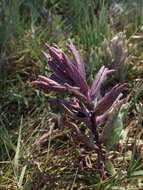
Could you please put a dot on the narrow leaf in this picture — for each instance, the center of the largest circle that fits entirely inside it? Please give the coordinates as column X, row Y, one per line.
column 77, row 58
column 17, row 154
column 106, row 102
column 100, row 77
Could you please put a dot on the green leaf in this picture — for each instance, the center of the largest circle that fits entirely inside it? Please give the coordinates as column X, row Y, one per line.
column 17, row 153
column 139, row 107
column 110, row 167
column 135, row 174
column 113, row 128
column 21, row 178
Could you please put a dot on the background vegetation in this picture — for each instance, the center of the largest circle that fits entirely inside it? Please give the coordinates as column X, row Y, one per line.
column 35, row 151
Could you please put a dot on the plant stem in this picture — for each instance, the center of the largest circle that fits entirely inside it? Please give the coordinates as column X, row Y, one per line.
column 101, row 154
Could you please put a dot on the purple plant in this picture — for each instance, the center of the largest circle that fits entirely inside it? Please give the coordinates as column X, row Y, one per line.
column 87, row 105
column 115, row 56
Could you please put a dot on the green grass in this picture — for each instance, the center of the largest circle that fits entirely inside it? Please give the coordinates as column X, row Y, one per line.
column 37, row 152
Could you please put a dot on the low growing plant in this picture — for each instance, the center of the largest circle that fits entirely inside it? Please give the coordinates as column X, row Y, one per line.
column 84, row 103
column 115, row 56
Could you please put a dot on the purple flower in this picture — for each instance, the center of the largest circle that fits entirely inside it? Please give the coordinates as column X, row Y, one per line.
column 69, row 77
column 85, row 103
